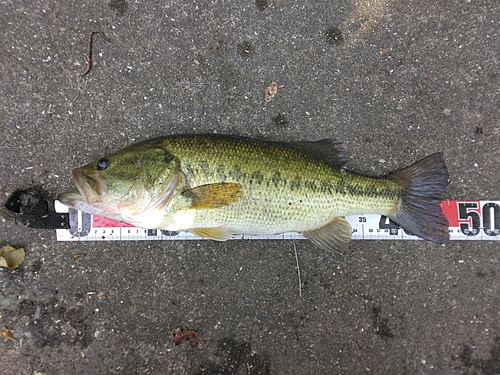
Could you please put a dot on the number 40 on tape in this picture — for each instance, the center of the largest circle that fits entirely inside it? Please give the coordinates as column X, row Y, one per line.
column 468, row 220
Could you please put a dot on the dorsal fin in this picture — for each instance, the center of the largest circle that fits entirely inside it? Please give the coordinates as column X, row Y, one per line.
column 327, row 150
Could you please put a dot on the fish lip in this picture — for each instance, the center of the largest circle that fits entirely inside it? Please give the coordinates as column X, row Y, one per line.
column 70, row 198
column 90, row 188
column 79, row 181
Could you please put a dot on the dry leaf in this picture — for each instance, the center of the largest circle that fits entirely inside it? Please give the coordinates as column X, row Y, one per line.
column 178, row 335
column 270, row 91
column 11, row 257
column 5, row 332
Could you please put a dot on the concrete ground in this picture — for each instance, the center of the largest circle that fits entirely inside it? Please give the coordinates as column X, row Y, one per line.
column 394, row 80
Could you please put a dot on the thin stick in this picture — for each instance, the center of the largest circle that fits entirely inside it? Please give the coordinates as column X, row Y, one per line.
column 298, row 269
column 129, row 24
column 7, row 143
column 89, row 58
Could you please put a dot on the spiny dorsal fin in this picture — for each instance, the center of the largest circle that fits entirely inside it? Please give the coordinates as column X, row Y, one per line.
column 216, row 233
column 327, row 150
column 214, row 195
column 333, row 236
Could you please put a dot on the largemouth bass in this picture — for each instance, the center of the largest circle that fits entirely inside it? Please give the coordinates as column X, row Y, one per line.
column 218, row 185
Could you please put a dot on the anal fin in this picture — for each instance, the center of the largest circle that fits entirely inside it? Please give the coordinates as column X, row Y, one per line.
column 333, row 236
column 215, row 233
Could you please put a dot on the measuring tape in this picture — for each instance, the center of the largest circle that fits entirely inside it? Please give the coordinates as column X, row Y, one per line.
column 468, row 220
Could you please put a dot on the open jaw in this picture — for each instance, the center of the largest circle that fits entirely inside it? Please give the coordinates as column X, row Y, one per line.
column 143, row 208
column 89, row 190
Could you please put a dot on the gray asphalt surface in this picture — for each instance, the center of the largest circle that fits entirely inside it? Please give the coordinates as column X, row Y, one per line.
column 393, row 80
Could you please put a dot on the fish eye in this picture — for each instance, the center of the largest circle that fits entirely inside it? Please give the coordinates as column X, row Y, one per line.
column 102, row 164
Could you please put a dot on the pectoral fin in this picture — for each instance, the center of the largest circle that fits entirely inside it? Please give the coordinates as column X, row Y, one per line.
column 216, row 233
column 333, row 236
column 214, row 195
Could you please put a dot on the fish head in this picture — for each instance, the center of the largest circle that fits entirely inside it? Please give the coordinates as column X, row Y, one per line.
column 130, row 182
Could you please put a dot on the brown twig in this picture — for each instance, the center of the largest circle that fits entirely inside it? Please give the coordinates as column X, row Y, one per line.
column 89, row 59
column 7, row 143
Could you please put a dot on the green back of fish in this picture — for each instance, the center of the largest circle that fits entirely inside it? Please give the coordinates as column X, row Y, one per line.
column 284, row 186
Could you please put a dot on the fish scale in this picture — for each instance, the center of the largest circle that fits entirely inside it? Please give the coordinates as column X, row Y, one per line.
column 216, row 186
column 322, row 188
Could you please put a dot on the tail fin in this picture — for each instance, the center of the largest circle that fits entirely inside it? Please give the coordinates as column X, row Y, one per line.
column 424, row 186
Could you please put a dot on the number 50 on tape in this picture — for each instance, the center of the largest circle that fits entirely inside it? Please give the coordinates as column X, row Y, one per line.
column 473, row 218
column 468, row 220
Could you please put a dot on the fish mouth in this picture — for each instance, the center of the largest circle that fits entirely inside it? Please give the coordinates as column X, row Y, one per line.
column 71, row 198
column 90, row 190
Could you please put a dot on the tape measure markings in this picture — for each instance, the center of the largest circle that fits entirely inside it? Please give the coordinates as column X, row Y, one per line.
column 468, row 220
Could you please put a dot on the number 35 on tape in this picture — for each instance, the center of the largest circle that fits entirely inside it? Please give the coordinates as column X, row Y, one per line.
column 473, row 219
column 468, row 220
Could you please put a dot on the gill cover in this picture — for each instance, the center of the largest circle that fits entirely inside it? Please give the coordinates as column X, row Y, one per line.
column 130, row 181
